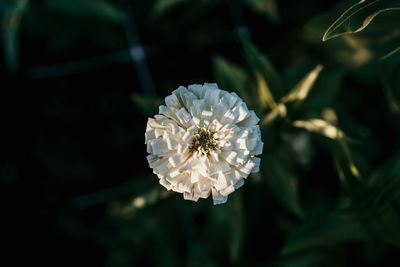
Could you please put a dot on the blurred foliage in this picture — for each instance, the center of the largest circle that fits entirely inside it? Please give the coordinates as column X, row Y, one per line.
column 322, row 76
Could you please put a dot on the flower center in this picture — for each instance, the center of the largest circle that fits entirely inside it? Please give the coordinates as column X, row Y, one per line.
column 203, row 141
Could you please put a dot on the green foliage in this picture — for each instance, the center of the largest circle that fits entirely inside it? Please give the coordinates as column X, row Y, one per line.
column 12, row 7
column 162, row 6
column 374, row 19
column 300, row 92
column 269, row 83
column 101, row 9
column 11, row 12
column 324, row 229
column 382, row 213
column 230, row 221
column 268, row 8
column 361, row 217
column 10, row 32
column 230, row 75
column 361, row 15
column 281, row 180
column 148, row 105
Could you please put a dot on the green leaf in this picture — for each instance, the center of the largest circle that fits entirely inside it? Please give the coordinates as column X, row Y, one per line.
column 13, row 7
column 306, row 259
column 268, row 8
column 379, row 201
column 393, row 103
column 148, row 105
column 384, row 222
column 228, row 223
column 358, row 17
column 374, row 250
column 300, row 92
column 349, row 173
column 162, row 6
column 279, row 175
column 386, row 176
column 264, row 93
column 260, row 64
column 230, row 76
column 12, row 11
column 279, row 111
column 321, row 127
column 238, row 226
column 391, row 53
column 11, row 30
column 101, row 9
column 324, row 229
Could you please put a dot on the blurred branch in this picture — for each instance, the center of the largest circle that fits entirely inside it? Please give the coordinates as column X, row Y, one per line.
column 393, row 103
column 67, row 68
column 112, row 193
column 99, row 62
column 11, row 41
column 391, row 53
column 236, row 11
column 137, row 51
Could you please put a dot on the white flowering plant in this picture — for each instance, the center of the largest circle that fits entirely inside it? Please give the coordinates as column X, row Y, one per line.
column 203, row 141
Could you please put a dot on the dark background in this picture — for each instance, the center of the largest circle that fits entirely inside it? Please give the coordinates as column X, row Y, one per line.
column 73, row 153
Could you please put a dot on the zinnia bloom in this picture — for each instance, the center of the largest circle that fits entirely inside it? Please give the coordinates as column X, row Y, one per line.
column 204, row 140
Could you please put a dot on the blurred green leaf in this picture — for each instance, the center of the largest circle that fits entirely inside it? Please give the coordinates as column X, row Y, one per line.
column 148, row 231
column 264, row 93
column 300, row 92
column 325, row 229
column 391, row 53
column 386, row 177
column 359, row 20
column 13, row 7
column 279, row 111
column 320, row 127
column 162, row 6
column 148, row 105
column 12, row 11
column 161, row 241
column 377, row 40
column 11, row 29
column 101, row 9
column 393, row 103
column 279, row 174
column 149, row 198
column 228, row 223
column 308, row 258
column 268, row 8
column 238, row 226
column 378, row 210
column 230, row 76
column 260, row 64
column 348, row 172
column 384, row 221
column 198, row 256
column 134, row 187
column 374, row 250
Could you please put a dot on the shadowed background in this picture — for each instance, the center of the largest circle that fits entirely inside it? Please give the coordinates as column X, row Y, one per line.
column 80, row 77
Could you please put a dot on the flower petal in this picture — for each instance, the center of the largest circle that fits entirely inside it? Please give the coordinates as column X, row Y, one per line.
column 203, row 141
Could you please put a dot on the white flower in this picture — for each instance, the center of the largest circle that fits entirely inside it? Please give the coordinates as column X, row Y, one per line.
column 203, row 141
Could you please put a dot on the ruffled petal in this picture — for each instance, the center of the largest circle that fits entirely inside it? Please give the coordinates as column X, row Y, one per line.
column 203, row 141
